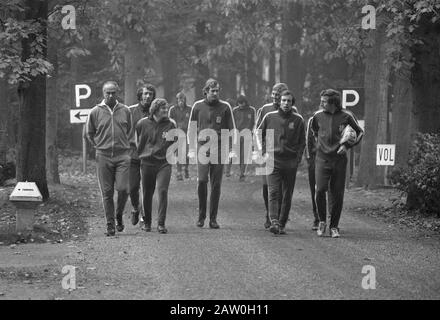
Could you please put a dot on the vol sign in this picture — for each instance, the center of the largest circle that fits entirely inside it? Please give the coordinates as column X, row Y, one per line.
column 386, row 154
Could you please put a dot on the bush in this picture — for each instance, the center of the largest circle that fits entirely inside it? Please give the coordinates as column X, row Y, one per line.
column 420, row 180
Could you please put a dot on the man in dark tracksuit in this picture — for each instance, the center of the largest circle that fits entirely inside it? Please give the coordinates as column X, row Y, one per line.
column 271, row 107
column 108, row 129
column 331, row 157
column 180, row 114
column 145, row 95
column 156, row 170
column 214, row 114
column 244, row 116
column 288, row 147
column 311, row 155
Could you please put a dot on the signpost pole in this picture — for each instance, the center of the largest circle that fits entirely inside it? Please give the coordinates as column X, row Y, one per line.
column 84, row 150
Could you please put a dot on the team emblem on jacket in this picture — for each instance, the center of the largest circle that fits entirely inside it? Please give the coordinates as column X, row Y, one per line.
column 218, row 120
column 249, row 116
column 291, row 125
column 164, row 135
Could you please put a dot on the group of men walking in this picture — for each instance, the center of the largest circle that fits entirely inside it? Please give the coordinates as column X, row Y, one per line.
column 133, row 149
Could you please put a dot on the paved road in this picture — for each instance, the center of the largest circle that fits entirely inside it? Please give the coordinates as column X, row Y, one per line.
column 241, row 260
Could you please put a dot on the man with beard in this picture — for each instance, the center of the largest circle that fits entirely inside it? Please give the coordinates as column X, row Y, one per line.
column 209, row 115
column 270, row 107
column 108, row 129
column 180, row 114
column 145, row 95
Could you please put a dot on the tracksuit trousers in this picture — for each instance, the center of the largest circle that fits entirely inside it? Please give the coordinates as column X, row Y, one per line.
column 135, row 183
column 112, row 174
column 281, row 183
column 312, row 184
column 155, row 176
column 213, row 173
column 330, row 177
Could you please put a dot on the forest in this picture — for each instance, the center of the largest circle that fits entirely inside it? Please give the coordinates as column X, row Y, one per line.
column 388, row 48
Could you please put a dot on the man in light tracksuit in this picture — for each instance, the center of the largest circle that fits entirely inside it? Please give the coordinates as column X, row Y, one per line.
column 145, row 95
column 108, row 129
column 287, row 150
column 328, row 126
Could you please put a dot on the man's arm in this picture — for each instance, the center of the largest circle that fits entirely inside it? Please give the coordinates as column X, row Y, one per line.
column 91, row 128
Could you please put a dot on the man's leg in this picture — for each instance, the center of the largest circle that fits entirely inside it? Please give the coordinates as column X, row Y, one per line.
column 312, row 185
column 266, row 201
column 148, row 187
column 288, row 185
column 274, row 181
column 163, row 183
column 323, row 172
column 106, row 180
column 337, row 189
column 121, row 181
column 134, row 179
column 216, row 175
column 179, row 175
column 243, row 160
column 202, row 189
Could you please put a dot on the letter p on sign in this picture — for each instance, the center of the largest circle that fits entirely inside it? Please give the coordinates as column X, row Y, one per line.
column 79, row 96
column 386, row 154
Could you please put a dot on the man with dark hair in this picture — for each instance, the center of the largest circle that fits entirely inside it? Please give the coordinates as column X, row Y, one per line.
column 109, row 127
column 153, row 151
column 180, row 114
column 145, row 95
column 336, row 130
column 244, row 116
column 210, row 115
column 287, row 150
column 270, row 107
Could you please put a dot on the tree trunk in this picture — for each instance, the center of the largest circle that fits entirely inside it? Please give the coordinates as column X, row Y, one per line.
column 168, row 59
column 201, row 66
column 402, row 126
column 426, row 78
column 293, row 68
column 31, row 149
column 4, row 112
column 134, row 66
column 53, row 175
column 376, row 86
column 251, row 78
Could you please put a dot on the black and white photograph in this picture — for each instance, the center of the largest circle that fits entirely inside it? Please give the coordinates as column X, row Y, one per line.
column 219, row 158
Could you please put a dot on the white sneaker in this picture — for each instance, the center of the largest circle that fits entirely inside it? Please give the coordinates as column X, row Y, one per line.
column 321, row 229
column 334, row 232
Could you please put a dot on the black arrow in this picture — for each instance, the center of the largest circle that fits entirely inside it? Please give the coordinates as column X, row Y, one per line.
column 79, row 115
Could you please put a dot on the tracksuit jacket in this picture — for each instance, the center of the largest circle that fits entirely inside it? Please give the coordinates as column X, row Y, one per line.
column 244, row 117
column 181, row 116
column 137, row 113
column 109, row 131
column 215, row 116
column 152, row 142
column 289, row 137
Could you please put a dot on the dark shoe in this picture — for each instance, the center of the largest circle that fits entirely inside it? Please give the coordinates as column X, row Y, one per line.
column 275, row 227
column 120, row 227
column 162, row 229
column 179, row 177
column 214, row 225
column 242, row 178
column 283, row 230
column 110, row 232
column 146, row 227
column 315, row 225
column 200, row 223
column 267, row 224
column 186, row 175
column 134, row 217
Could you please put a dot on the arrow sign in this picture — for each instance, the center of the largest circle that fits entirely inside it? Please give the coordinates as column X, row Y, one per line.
column 79, row 115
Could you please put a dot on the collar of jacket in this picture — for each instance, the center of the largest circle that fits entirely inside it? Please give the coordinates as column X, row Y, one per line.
column 284, row 114
column 328, row 111
column 212, row 104
column 103, row 104
column 151, row 117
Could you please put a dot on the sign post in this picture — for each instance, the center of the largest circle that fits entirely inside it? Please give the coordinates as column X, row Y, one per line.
column 80, row 116
column 386, row 156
